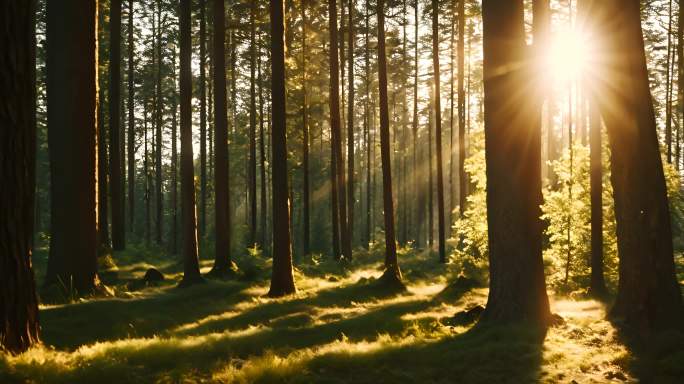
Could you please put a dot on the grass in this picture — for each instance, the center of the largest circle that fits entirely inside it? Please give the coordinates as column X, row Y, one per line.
column 339, row 327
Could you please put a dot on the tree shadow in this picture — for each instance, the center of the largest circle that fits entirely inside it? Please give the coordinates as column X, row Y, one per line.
column 72, row 325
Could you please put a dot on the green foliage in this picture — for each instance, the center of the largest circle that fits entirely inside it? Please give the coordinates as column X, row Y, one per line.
column 567, row 214
column 471, row 230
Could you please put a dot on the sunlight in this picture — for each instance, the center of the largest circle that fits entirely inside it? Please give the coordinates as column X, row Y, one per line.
column 569, row 55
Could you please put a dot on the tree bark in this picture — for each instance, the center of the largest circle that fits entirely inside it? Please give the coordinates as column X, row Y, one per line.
column 649, row 298
column 262, row 159
column 305, row 143
column 191, row 271
column 251, row 170
column 19, row 327
column 350, row 126
column 391, row 263
column 336, row 132
column 71, row 63
column 222, row 259
column 438, row 132
column 131, row 121
column 282, row 280
column 174, row 163
column 203, row 117
column 513, row 155
column 462, row 176
column 159, row 111
column 115, row 166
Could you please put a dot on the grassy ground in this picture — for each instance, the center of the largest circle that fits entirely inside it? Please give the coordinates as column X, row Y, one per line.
column 339, row 327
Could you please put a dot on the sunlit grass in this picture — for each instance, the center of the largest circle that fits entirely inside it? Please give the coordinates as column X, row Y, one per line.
column 339, row 327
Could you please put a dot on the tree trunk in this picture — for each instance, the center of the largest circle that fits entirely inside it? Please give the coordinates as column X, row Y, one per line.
column 680, row 80
column 251, row 170
column 350, row 127
column 131, row 122
column 203, row 117
column 19, row 327
column 336, row 132
column 513, row 154
column 669, row 87
column 597, row 285
column 71, row 63
column 159, row 108
column 368, row 115
column 282, row 280
column 191, row 271
column 262, row 159
column 174, row 163
column 414, row 131
column 392, row 270
column 222, row 260
column 103, row 243
column 438, row 132
column 649, row 298
column 462, row 176
column 305, row 143
column 115, row 166
column 146, row 172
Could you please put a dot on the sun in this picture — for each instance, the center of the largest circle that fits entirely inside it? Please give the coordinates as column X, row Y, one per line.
column 568, row 56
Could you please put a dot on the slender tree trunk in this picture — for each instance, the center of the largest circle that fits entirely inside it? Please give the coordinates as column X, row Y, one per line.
column 131, row 121
column 367, row 116
column 438, row 132
column 336, row 130
column 146, row 172
column 222, row 260
column 262, row 160
column 392, row 270
column 174, row 163
column 597, row 285
column 191, row 272
column 430, row 197
column 649, row 298
column 669, row 87
column 159, row 108
column 282, row 280
column 350, row 126
column 513, row 154
column 203, row 117
column 462, row 176
column 252, row 126
column 72, row 115
column 680, row 79
column 414, row 131
column 115, row 165
column 19, row 327
column 305, row 141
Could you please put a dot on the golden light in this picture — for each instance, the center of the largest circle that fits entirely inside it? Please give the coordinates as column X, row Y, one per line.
column 568, row 55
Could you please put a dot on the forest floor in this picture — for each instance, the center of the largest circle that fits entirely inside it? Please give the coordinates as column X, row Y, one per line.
column 340, row 327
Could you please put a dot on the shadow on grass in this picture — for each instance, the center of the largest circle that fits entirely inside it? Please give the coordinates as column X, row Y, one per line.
column 657, row 360
column 72, row 325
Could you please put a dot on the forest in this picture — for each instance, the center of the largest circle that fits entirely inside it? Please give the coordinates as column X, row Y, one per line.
column 353, row 191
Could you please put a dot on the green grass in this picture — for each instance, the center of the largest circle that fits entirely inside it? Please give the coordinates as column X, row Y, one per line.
column 339, row 327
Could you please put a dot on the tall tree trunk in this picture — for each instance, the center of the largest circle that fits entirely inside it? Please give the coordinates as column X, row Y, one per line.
column 414, row 131
column 251, row 168
column 222, row 260
column 517, row 289
column 669, row 87
column 305, row 142
column 282, row 280
column 174, row 162
column 191, row 271
column 203, row 118
column 146, row 172
column 392, row 270
column 19, row 327
column 131, row 121
column 368, row 115
column 262, row 159
column 680, row 79
column 115, row 165
column 597, row 285
column 336, row 130
column 350, row 126
column 71, row 63
column 649, row 298
column 438, row 132
column 462, row 176
column 159, row 108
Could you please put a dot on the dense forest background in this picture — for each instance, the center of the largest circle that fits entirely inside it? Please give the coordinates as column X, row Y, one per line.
column 355, row 154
